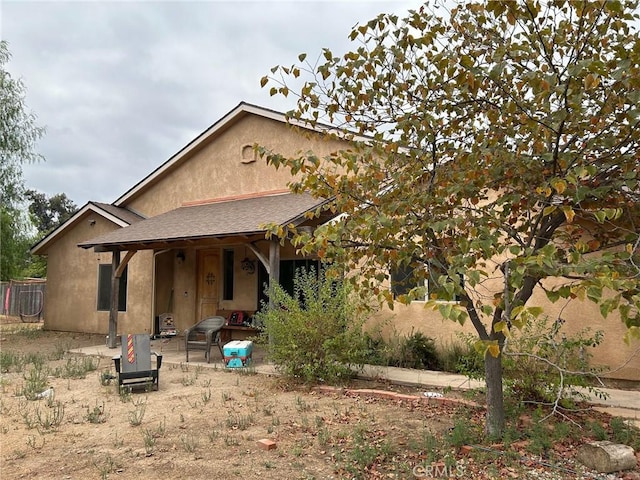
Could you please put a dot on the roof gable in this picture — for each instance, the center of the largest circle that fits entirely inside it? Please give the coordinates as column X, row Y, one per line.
column 120, row 216
column 242, row 110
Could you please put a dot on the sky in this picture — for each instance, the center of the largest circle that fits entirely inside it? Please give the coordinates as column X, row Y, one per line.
column 121, row 86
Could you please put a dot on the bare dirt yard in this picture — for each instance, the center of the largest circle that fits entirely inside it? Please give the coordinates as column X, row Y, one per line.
column 207, row 423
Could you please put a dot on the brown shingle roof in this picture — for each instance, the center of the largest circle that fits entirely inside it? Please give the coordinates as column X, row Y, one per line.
column 245, row 216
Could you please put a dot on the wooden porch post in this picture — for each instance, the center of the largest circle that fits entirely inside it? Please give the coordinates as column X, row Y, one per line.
column 117, row 269
column 115, row 293
column 274, row 263
column 274, row 270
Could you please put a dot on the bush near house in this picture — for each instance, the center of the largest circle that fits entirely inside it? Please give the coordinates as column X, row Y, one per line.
column 314, row 335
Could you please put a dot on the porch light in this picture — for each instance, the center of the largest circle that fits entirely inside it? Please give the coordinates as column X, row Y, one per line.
column 181, row 256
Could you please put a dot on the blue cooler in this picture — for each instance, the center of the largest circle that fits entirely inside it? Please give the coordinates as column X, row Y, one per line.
column 237, row 353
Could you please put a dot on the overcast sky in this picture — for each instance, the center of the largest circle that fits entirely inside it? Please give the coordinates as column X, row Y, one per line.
column 122, row 86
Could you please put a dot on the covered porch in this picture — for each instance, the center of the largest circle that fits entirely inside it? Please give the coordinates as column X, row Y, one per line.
column 209, row 258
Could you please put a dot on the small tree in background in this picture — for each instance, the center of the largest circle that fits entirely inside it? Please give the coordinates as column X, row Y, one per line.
column 503, row 149
column 46, row 214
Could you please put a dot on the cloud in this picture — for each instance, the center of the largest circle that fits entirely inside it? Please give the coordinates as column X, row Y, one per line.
column 121, row 86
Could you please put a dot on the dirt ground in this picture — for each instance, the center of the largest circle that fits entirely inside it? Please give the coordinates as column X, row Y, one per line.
column 206, row 423
column 201, row 423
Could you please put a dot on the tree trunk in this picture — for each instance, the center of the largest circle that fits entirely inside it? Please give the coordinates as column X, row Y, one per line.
column 494, row 426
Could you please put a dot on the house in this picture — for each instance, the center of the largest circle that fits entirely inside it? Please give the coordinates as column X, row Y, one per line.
column 189, row 239
column 191, row 233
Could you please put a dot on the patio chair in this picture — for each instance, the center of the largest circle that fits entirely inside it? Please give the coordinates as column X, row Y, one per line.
column 203, row 335
column 133, row 365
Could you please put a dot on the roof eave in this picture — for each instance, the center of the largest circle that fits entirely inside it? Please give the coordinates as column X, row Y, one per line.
column 175, row 242
column 183, row 242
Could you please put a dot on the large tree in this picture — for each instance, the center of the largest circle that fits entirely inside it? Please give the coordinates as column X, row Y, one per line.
column 18, row 136
column 494, row 147
column 48, row 213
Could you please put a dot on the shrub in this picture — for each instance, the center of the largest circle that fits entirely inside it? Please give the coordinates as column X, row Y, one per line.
column 415, row 350
column 461, row 357
column 314, row 335
column 418, row 351
column 542, row 363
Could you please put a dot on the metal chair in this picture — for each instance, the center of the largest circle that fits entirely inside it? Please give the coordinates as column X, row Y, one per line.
column 203, row 335
column 133, row 365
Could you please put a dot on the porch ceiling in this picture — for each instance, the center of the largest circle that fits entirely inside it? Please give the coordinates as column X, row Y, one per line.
column 194, row 225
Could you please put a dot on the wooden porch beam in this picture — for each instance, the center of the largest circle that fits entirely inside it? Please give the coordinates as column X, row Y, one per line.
column 124, row 262
column 274, row 261
column 117, row 268
column 263, row 260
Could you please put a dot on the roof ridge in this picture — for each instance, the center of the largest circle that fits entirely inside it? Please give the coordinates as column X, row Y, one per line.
column 231, row 198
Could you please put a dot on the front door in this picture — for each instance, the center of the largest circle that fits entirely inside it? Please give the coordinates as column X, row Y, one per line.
column 208, row 282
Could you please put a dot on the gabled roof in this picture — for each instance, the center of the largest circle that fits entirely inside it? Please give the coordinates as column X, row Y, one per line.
column 233, row 216
column 242, row 110
column 120, row 216
column 117, row 212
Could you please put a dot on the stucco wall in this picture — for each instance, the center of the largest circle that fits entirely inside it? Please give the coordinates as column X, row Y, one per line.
column 73, row 283
column 612, row 353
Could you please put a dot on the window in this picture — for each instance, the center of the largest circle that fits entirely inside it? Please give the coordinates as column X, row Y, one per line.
column 104, row 288
column 227, row 271
column 403, row 280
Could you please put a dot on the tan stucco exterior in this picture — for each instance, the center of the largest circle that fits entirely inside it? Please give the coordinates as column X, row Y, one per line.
column 71, row 303
column 616, row 358
column 219, row 166
column 219, row 169
column 223, row 165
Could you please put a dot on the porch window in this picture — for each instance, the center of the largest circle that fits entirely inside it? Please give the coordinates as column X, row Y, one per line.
column 287, row 273
column 227, row 268
column 104, row 288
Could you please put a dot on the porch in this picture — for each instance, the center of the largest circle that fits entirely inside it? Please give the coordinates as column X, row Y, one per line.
column 173, row 354
column 202, row 259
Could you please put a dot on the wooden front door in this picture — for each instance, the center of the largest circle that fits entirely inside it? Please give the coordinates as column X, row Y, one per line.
column 208, row 282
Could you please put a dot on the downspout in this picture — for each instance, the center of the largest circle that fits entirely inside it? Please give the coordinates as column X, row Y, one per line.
column 153, row 289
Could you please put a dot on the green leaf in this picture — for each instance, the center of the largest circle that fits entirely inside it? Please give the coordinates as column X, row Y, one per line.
column 500, row 326
column 445, row 310
column 600, row 216
column 632, row 333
